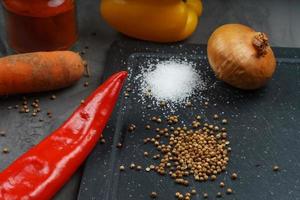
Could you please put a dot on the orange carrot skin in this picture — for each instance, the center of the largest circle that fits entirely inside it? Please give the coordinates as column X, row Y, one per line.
column 39, row 71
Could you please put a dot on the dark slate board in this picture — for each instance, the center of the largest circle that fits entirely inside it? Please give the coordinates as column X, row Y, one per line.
column 263, row 131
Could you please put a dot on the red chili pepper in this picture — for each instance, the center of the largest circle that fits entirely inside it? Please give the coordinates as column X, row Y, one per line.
column 40, row 172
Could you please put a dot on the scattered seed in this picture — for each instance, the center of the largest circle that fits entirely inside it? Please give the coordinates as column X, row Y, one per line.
column 5, row 150
column 53, row 97
column 216, row 116
column 275, row 168
column 224, row 121
column 219, row 194
column 234, row 176
column 131, row 128
column 188, row 194
column 146, row 153
column 158, row 120
column 86, row 84
column 193, row 192
column 148, row 94
column 102, row 141
column 162, row 103
column 147, row 169
column 34, row 114
column 188, row 104
column 229, row 191
column 2, row 133
column 148, row 127
column 132, row 166
column 82, row 102
column 222, row 184
column 122, row 168
column 152, row 167
column 126, row 94
column 205, row 195
column 139, row 167
column 119, row 145
column 9, row 107
column 153, row 195
column 198, row 117
column 213, row 177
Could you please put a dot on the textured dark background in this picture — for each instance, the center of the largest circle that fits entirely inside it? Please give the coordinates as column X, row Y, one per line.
column 280, row 19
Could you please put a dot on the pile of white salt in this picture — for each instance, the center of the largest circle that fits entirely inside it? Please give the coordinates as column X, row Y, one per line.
column 172, row 81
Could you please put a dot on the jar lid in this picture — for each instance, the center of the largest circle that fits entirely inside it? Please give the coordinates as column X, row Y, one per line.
column 38, row 8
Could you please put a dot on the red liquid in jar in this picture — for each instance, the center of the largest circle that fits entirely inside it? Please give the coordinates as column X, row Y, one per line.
column 35, row 33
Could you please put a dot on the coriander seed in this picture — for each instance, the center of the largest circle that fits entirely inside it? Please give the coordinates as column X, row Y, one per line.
column 222, row 184
column 153, row 195
column 234, row 176
column 119, row 145
column 2, row 133
column 5, row 150
column 53, row 97
column 122, row 168
column 229, row 191
column 86, row 84
column 193, row 192
column 219, row 194
column 213, row 177
column 132, row 166
column 275, row 168
column 102, row 141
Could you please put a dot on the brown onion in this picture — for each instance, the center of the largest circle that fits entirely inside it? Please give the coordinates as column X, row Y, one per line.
column 241, row 56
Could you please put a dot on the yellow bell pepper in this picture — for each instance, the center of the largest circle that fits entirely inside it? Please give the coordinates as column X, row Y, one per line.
column 153, row 20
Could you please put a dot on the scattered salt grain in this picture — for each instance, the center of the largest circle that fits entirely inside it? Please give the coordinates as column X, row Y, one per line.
column 172, row 81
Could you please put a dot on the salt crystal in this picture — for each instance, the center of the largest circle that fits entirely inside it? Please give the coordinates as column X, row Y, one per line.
column 172, row 81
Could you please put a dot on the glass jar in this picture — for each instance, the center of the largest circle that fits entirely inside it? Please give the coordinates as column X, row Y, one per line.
column 40, row 25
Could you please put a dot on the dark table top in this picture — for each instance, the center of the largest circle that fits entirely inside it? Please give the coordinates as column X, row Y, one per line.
column 279, row 19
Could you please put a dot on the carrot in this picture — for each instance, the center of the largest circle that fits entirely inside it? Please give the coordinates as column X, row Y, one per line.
column 39, row 71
